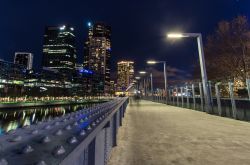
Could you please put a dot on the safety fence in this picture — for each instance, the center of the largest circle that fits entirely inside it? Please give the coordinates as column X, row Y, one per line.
column 227, row 99
column 84, row 137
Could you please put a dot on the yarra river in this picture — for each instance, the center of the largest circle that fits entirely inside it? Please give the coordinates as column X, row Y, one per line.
column 11, row 119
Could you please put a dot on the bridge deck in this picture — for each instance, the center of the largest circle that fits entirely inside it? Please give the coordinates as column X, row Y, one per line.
column 156, row 134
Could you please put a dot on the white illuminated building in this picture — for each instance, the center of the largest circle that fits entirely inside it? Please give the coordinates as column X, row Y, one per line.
column 24, row 58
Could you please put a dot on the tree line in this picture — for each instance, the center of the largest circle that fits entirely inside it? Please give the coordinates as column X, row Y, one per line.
column 227, row 51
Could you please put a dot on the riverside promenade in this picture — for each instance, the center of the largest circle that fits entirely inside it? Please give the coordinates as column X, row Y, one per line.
column 157, row 134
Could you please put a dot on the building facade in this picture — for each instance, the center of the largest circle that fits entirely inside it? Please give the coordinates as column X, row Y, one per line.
column 11, row 79
column 24, row 58
column 125, row 74
column 97, row 53
column 59, row 51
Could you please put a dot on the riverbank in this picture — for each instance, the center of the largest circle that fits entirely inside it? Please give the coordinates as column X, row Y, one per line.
column 47, row 103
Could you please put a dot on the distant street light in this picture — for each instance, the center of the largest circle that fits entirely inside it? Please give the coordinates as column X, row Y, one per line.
column 144, row 83
column 142, row 72
column 151, row 82
column 152, row 62
column 202, row 64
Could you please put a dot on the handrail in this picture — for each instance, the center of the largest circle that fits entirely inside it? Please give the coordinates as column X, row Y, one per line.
column 55, row 141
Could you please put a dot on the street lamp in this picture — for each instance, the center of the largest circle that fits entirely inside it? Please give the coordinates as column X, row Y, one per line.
column 142, row 72
column 152, row 62
column 151, row 83
column 202, row 63
column 144, row 83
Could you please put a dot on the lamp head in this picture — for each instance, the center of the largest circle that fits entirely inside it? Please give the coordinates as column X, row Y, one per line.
column 142, row 72
column 151, row 62
column 175, row 35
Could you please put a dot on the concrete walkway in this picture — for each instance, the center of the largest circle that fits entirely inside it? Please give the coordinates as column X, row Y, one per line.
column 156, row 134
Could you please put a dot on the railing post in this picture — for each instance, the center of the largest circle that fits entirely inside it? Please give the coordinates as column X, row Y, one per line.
column 187, row 96
column 201, row 97
column 193, row 93
column 173, row 96
column 232, row 100
column 85, row 156
column 217, row 92
column 107, row 142
column 120, row 115
column 182, row 99
column 248, row 87
column 211, row 95
column 157, row 96
column 160, row 95
column 100, row 148
column 91, row 153
column 114, row 130
column 177, row 96
column 169, row 96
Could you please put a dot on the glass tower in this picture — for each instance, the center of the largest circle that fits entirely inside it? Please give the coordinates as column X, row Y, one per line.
column 59, row 51
column 97, row 52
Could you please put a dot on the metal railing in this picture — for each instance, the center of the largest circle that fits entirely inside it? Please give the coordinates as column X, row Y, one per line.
column 84, row 137
column 191, row 97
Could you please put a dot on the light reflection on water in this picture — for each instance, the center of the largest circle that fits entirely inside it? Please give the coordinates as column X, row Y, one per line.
column 12, row 119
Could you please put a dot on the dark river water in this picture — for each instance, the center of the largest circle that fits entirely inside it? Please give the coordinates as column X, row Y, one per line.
column 11, row 119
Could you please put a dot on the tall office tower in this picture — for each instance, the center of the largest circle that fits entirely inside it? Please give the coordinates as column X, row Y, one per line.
column 125, row 74
column 97, row 52
column 59, row 51
column 24, row 58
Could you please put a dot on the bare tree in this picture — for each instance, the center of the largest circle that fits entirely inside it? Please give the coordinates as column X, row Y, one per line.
column 226, row 51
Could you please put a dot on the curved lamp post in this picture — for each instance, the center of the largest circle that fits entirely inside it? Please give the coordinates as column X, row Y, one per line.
column 151, row 80
column 208, row 103
column 152, row 62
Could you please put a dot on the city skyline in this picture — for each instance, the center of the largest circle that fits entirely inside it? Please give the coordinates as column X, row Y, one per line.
column 124, row 82
column 147, row 32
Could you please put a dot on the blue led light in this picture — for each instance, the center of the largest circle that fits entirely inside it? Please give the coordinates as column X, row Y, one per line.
column 86, row 71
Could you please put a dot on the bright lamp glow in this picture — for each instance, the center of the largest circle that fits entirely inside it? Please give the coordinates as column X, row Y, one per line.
column 175, row 35
column 89, row 24
column 142, row 72
column 63, row 27
column 137, row 78
column 151, row 62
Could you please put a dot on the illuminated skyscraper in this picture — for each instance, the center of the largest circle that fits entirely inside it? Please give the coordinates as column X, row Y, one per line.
column 59, row 50
column 24, row 58
column 125, row 74
column 97, row 52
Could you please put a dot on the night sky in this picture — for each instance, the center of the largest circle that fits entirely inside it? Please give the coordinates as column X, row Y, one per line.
column 139, row 27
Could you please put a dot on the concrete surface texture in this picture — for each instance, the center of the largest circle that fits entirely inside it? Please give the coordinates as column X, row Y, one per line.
column 157, row 134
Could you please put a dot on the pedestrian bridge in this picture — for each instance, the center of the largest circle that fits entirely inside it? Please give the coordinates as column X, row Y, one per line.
column 157, row 134
column 151, row 134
